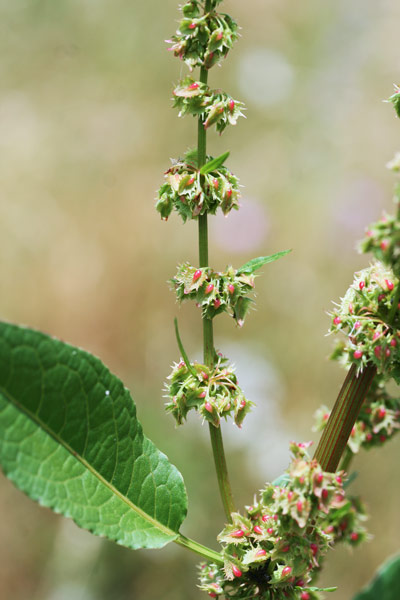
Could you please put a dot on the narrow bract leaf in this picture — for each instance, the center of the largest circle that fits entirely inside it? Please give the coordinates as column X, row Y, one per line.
column 213, row 164
column 70, row 439
column 386, row 583
column 259, row 262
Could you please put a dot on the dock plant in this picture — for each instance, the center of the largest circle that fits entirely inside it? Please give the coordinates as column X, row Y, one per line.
column 69, row 433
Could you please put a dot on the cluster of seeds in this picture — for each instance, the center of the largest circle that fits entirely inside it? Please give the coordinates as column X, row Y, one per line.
column 215, row 293
column 369, row 316
column 214, row 106
column 202, row 40
column 192, row 194
column 383, row 240
column 214, row 393
column 377, row 422
column 273, row 551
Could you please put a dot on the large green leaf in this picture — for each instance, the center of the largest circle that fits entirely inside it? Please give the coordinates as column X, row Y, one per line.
column 386, row 583
column 70, row 439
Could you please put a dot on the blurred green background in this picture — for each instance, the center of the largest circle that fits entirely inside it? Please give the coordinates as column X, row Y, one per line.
column 86, row 131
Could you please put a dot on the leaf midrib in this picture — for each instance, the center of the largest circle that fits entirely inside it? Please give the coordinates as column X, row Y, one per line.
column 87, row 465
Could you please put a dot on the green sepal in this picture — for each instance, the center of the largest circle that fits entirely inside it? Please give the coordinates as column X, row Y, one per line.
column 213, row 164
column 70, row 439
column 259, row 262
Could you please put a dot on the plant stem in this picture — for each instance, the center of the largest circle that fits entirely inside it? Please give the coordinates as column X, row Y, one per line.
column 343, row 416
column 208, row 334
column 203, row 551
column 347, row 458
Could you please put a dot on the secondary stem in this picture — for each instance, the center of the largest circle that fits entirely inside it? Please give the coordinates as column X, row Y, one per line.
column 208, row 334
column 343, row 416
column 203, row 551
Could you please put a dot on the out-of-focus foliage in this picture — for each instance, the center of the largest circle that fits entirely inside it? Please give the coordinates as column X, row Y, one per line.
column 86, row 130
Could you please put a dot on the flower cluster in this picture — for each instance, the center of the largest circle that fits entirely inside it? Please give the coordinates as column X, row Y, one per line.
column 192, row 194
column 215, row 293
column 378, row 421
column 214, row 106
column 369, row 316
column 383, row 240
column 214, row 393
column 345, row 523
column 273, row 551
column 202, row 40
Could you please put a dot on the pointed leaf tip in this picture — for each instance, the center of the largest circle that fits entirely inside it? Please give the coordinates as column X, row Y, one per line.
column 256, row 263
column 214, row 164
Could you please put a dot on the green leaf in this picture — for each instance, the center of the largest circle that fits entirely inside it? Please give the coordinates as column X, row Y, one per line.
column 70, row 439
column 282, row 480
column 214, row 164
column 259, row 262
column 386, row 583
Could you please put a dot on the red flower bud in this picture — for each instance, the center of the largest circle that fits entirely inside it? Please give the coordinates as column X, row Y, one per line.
column 286, row 571
column 190, row 181
column 261, row 552
column 354, row 536
column 243, row 404
column 324, row 494
column 361, row 285
column 389, row 284
column 368, row 437
column 286, row 548
column 215, row 183
column 202, row 394
column 381, row 297
column 290, row 495
column 265, row 518
column 393, row 342
column 231, row 288
column 387, row 352
column 209, row 288
column 229, row 193
column 238, row 533
column 236, row 571
column 217, row 303
column 339, row 480
column 337, row 320
column 192, row 25
column 314, row 549
column 299, row 506
column 382, row 438
column 385, row 245
column 197, row 275
column 193, row 86
column 377, row 351
column 357, row 325
column 270, row 530
column 231, row 105
column 357, row 354
column 305, row 596
column 208, row 407
column 257, row 529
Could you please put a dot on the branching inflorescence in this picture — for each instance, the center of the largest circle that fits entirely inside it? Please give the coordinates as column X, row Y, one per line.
column 274, row 550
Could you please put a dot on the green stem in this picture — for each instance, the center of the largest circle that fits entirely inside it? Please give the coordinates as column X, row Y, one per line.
column 203, row 551
column 347, row 458
column 208, row 334
column 343, row 416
